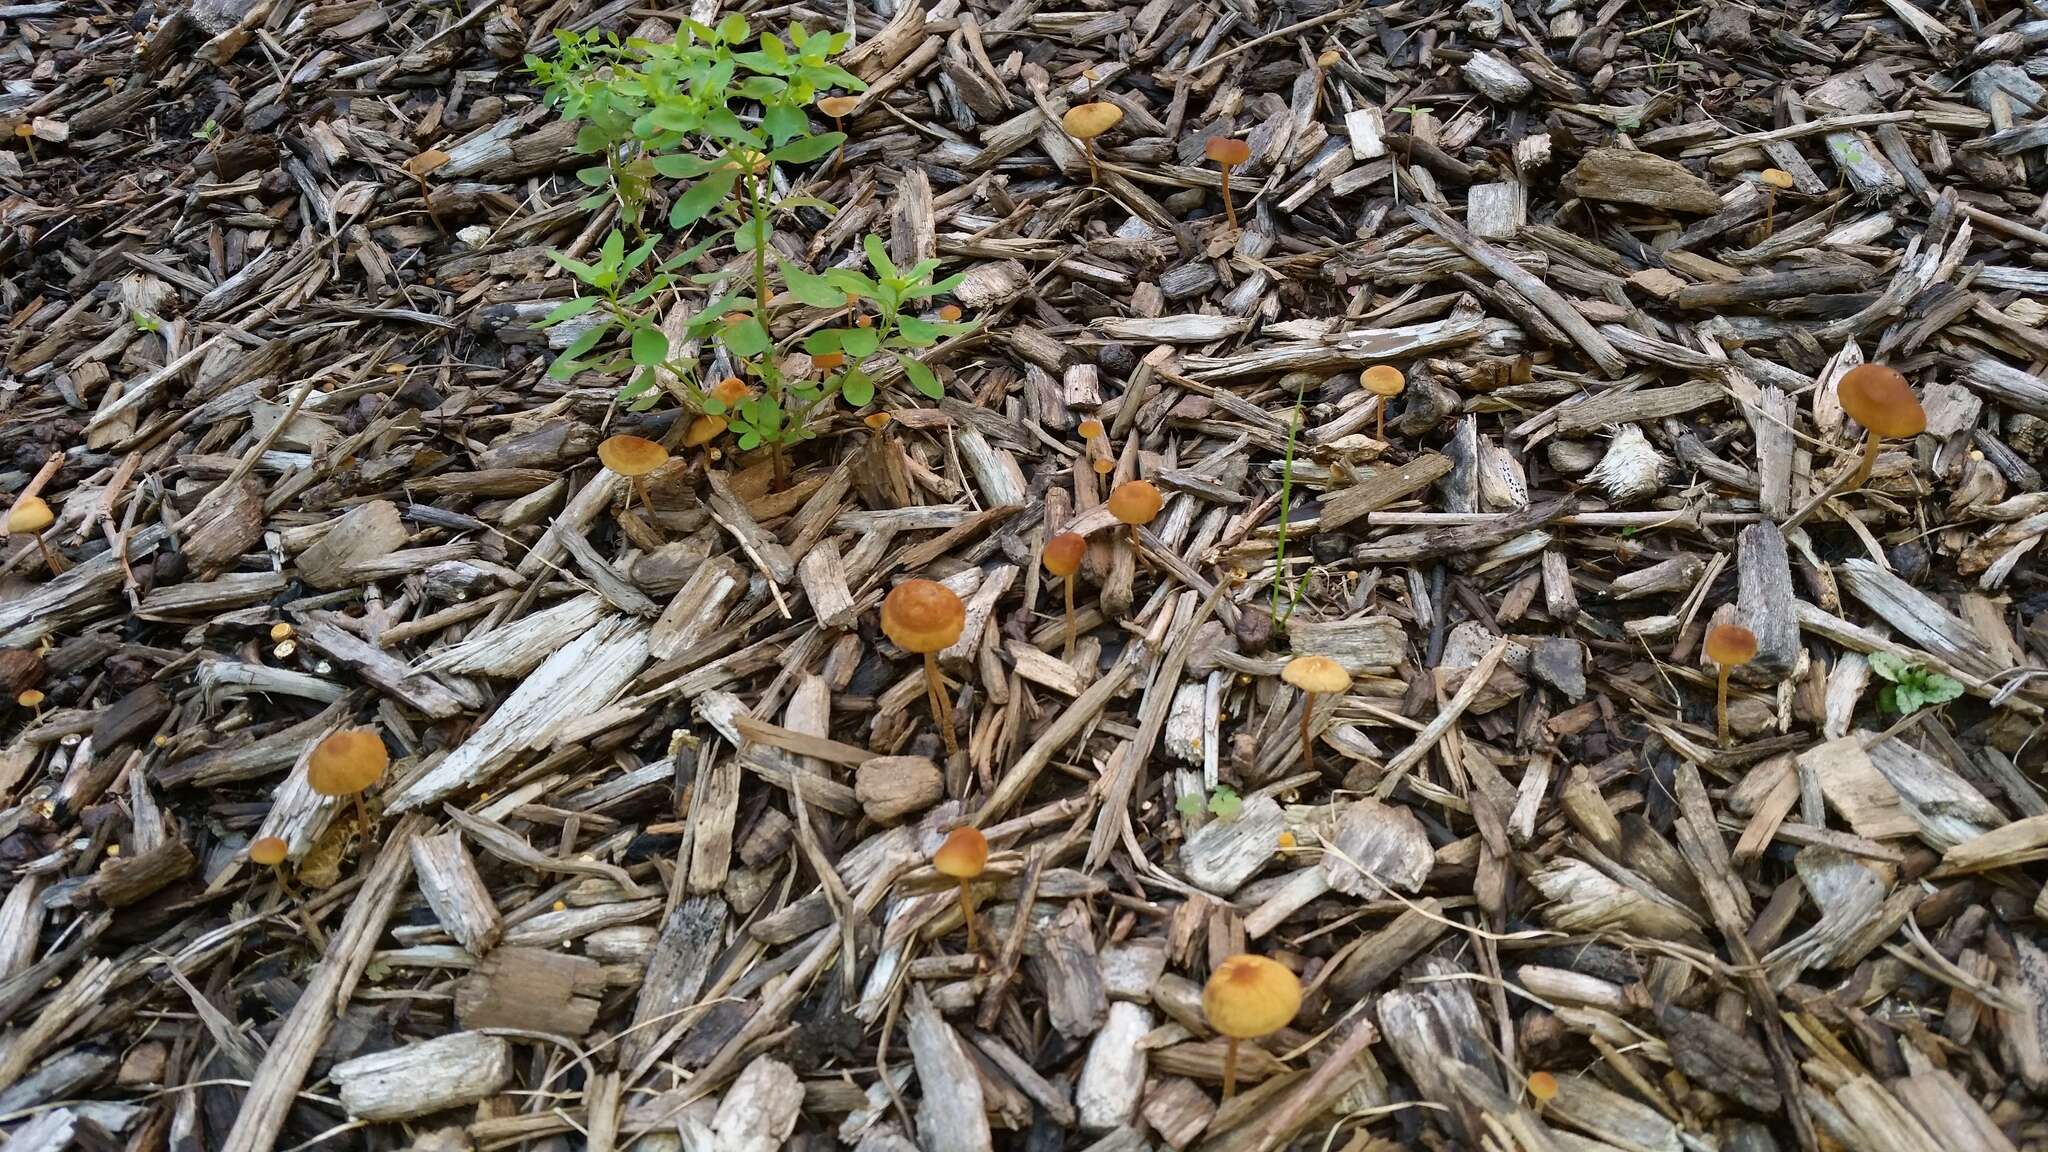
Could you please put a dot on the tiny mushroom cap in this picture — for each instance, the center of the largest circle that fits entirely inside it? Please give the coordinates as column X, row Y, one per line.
column 1329, row 58
column 29, row 514
column 837, row 106
column 1731, row 644
column 1135, row 502
column 631, row 455
column 1090, row 428
column 877, row 420
column 1251, row 996
column 1063, row 553
column 827, row 361
column 30, row 698
column 1877, row 397
column 731, row 390
column 1316, row 674
column 268, row 851
column 1543, row 1086
column 950, row 313
column 963, row 855
column 1775, row 178
column 1227, row 150
column 347, row 762
column 703, row 430
column 1087, row 121
column 1384, row 380
column 922, row 616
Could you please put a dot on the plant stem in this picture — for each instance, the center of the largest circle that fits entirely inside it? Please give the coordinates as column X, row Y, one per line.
column 1721, row 707
column 1230, row 1069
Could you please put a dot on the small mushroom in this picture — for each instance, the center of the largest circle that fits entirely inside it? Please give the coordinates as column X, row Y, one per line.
column 1227, row 152
column 347, row 763
column 1386, row 382
column 633, row 457
column 702, row 431
column 1774, row 180
column 1084, row 122
column 838, row 108
column 269, row 852
column 1878, row 397
column 30, row 516
column 925, row 617
column 1248, row 997
column 1728, row 646
column 1133, row 503
column 1543, row 1087
column 1063, row 555
column 31, row 698
column 1097, row 441
column 962, row 857
column 1315, row 676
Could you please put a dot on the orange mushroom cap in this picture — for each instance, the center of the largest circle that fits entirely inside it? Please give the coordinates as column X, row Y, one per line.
column 949, row 313
column 268, row 851
column 1775, row 178
column 837, row 106
column 1089, row 428
column 1228, row 151
column 1316, row 674
column 631, row 455
column 877, row 420
column 1063, row 553
column 1251, row 996
column 963, row 855
column 827, row 361
column 730, row 391
column 29, row 514
column 1087, row 121
column 30, row 698
column 347, row 762
column 1384, row 380
column 1730, row 644
column 1543, row 1086
column 1877, row 397
column 1135, row 502
column 922, row 616
column 703, row 430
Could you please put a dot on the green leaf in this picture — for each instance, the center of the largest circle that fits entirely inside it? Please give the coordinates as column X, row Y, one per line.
column 824, row 340
column 857, row 388
column 1190, row 805
column 613, row 250
column 852, row 281
column 878, row 256
column 732, row 29
column 682, row 166
column 1225, row 804
column 921, row 377
column 569, row 311
column 920, row 333
column 747, row 339
column 809, row 148
column 784, row 123
column 595, row 176
column 749, row 440
column 858, row 343
column 810, row 289
column 650, row 347
column 577, row 268
column 702, row 197
column 1889, row 666
column 584, row 342
column 1937, row 688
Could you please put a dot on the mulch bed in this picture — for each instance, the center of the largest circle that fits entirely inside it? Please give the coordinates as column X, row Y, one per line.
column 651, row 866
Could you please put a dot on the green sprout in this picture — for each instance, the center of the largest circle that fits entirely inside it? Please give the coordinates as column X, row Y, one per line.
column 1224, row 804
column 1911, row 687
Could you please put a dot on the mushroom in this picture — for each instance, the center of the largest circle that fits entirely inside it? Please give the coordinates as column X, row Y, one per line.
column 702, row 431
column 1135, row 502
column 269, row 852
column 1542, row 1086
column 1315, row 676
column 1324, row 62
column 32, row 698
column 962, row 857
column 1774, row 180
column 1084, row 122
column 1877, row 397
column 1248, row 997
column 633, row 457
column 1386, row 382
column 1063, row 555
column 838, row 108
column 1228, row 152
column 925, row 617
column 1728, row 646
column 346, row 763
column 1097, row 441
column 29, row 516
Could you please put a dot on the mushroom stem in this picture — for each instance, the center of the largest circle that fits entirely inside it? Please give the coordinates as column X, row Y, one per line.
column 363, row 817
column 640, row 490
column 1308, row 754
column 1721, row 706
column 1379, row 423
column 1863, row 467
column 967, row 912
column 839, row 153
column 942, row 712
column 1770, row 209
column 49, row 561
column 1070, row 617
column 1230, row 1069
column 1229, row 209
column 1088, row 150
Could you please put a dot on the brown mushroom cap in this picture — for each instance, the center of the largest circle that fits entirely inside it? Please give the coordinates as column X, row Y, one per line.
column 1135, row 502
column 1228, row 151
column 347, row 762
column 1775, row 178
column 963, row 855
column 703, row 430
column 1384, row 380
column 1730, row 644
column 837, row 106
column 922, row 616
column 1087, row 121
column 1877, row 397
column 1329, row 59
column 1316, row 674
column 1063, row 553
column 29, row 514
column 828, row 361
column 1251, row 996
column 877, row 420
column 731, row 391
column 631, row 455
column 268, row 851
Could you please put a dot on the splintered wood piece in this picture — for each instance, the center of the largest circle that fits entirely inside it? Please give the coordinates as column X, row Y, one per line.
column 455, row 891
column 445, row 1072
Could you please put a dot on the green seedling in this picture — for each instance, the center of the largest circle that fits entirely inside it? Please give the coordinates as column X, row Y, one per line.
column 1224, row 804
column 1910, row 687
